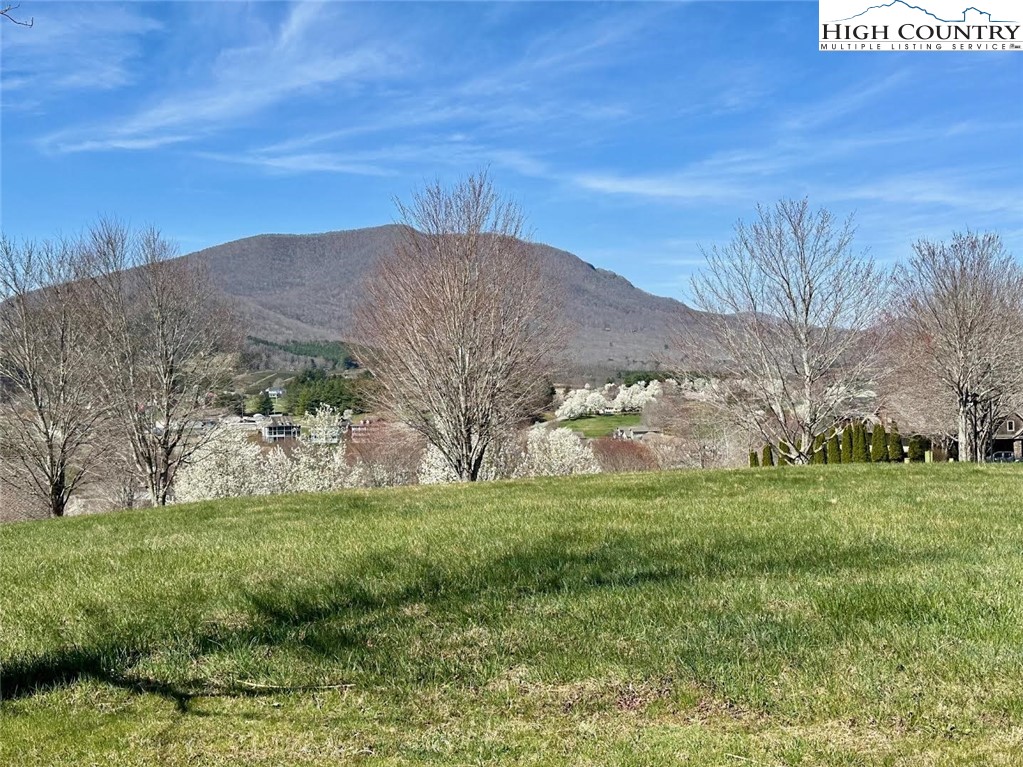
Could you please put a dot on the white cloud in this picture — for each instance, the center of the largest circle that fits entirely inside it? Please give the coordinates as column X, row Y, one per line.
column 975, row 192
column 385, row 160
column 72, row 47
column 311, row 162
column 301, row 58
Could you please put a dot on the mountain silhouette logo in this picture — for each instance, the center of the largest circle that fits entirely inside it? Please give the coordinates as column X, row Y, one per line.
column 908, row 6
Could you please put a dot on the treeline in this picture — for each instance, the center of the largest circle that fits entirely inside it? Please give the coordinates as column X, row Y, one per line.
column 853, row 444
column 314, row 387
column 632, row 377
column 335, row 353
column 111, row 349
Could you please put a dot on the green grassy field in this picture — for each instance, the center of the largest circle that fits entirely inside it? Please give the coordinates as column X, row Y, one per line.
column 819, row 616
column 256, row 381
column 593, row 426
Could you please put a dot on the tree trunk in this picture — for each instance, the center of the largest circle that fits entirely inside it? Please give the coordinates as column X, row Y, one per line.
column 158, row 487
column 58, row 501
column 965, row 442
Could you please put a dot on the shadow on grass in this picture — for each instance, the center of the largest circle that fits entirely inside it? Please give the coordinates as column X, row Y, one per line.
column 66, row 666
column 341, row 617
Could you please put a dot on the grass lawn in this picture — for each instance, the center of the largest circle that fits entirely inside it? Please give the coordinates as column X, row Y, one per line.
column 819, row 616
column 593, row 426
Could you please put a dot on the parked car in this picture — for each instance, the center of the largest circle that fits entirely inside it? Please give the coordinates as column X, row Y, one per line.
column 1003, row 456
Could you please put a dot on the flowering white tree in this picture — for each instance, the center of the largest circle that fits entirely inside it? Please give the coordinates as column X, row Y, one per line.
column 544, row 452
column 632, row 399
column 226, row 466
column 278, row 472
column 323, row 468
column 500, row 462
column 627, row 399
column 435, row 469
column 325, row 426
column 555, row 453
column 582, row 402
column 229, row 465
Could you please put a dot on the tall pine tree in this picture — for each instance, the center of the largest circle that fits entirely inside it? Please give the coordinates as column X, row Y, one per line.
column 879, row 445
column 754, row 462
column 895, row 454
column 917, row 450
column 847, row 443
column 834, row 451
column 819, row 454
column 861, row 454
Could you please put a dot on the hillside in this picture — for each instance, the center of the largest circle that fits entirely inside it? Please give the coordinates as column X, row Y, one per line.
column 307, row 286
column 826, row 616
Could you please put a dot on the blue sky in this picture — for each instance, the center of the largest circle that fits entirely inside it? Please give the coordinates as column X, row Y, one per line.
column 631, row 134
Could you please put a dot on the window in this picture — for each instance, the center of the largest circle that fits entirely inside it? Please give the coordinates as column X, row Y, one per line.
column 1010, row 426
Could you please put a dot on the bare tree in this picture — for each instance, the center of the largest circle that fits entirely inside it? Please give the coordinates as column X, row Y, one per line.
column 460, row 321
column 7, row 9
column 963, row 314
column 50, row 416
column 167, row 336
column 908, row 393
column 792, row 312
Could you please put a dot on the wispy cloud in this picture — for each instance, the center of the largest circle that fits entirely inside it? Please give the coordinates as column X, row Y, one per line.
column 683, row 186
column 797, row 162
column 849, row 100
column 301, row 163
column 386, row 160
column 458, row 120
column 304, row 55
column 72, row 47
column 298, row 59
column 977, row 191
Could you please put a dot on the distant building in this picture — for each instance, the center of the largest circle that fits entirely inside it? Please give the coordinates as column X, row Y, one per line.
column 636, row 433
column 325, row 435
column 276, row 393
column 276, row 428
column 364, row 430
column 1008, row 437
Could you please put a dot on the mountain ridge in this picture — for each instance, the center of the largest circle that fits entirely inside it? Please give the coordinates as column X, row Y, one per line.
column 306, row 287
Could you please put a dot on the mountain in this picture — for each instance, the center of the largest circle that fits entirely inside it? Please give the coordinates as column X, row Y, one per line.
column 306, row 287
column 901, row 11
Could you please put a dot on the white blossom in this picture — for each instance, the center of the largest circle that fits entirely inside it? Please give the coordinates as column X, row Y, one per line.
column 277, row 473
column 226, row 466
column 435, row 469
column 610, row 399
column 322, row 468
column 230, row 465
column 325, row 426
column 582, row 402
column 555, row 452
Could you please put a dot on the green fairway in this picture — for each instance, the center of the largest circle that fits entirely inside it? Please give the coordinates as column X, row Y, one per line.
column 850, row 615
column 593, row 426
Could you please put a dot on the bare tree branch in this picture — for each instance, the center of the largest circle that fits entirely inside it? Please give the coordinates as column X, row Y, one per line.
column 963, row 314
column 167, row 337
column 460, row 321
column 7, row 10
column 50, row 420
column 792, row 313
